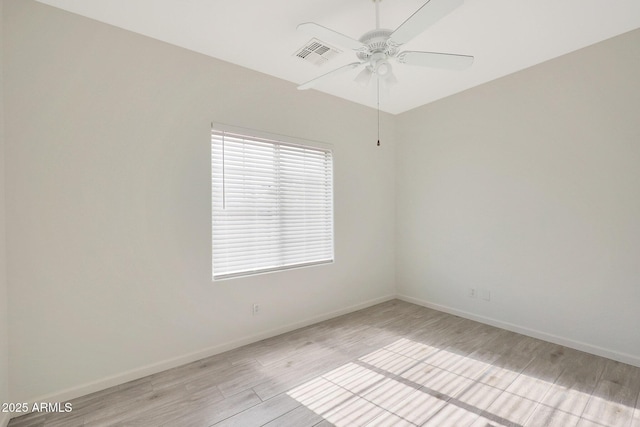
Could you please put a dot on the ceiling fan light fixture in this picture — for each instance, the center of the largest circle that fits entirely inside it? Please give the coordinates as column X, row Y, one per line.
column 390, row 80
column 364, row 76
column 382, row 67
column 379, row 62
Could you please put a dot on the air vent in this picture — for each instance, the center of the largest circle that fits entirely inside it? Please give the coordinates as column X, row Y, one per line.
column 317, row 52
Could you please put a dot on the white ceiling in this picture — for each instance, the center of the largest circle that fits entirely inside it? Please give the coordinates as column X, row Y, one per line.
column 504, row 36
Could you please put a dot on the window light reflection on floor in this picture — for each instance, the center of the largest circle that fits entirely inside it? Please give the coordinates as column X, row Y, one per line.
column 412, row 384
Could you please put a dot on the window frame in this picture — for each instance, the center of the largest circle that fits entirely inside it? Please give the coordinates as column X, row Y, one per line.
column 280, row 140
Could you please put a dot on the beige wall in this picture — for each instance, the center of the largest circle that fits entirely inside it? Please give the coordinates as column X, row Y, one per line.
column 108, row 184
column 4, row 319
column 529, row 187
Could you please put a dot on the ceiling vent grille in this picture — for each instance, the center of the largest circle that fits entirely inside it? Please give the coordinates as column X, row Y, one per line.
column 317, row 52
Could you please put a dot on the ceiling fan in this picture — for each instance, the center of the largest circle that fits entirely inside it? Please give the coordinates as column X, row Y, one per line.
column 376, row 47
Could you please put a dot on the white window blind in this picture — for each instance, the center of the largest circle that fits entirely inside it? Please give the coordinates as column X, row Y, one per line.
column 272, row 205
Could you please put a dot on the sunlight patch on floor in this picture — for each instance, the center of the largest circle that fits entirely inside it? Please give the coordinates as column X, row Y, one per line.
column 411, row 384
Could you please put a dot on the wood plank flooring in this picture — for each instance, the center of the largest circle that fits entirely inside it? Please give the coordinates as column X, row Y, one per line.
column 394, row 364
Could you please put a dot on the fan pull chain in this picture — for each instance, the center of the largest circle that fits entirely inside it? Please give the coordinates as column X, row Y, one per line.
column 377, row 2
column 378, row 96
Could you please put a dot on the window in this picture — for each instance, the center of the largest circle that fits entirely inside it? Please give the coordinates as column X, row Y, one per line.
column 272, row 204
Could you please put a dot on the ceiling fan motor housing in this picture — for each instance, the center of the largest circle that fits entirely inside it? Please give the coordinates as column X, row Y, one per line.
column 379, row 51
column 376, row 41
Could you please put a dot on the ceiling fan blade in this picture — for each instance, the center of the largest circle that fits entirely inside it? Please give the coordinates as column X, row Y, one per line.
column 423, row 18
column 332, row 37
column 312, row 83
column 437, row 60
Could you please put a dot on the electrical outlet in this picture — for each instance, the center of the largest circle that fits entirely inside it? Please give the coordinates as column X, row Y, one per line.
column 472, row 293
column 256, row 309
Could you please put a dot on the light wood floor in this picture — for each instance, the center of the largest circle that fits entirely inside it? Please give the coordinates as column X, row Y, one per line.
column 394, row 364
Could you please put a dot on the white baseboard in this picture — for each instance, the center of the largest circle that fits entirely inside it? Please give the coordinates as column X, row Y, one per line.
column 577, row 345
column 134, row 374
column 4, row 419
